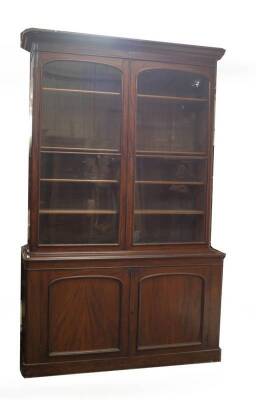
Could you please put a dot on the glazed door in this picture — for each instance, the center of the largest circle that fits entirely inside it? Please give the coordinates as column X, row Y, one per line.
column 169, row 154
column 76, row 314
column 175, row 308
column 82, row 152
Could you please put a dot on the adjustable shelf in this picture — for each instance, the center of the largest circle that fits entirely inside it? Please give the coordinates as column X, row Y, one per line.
column 172, row 98
column 169, row 212
column 66, row 90
column 64, row 180
column 71, row 212
column 172, row 182
column 171, row 154
column 78, row 150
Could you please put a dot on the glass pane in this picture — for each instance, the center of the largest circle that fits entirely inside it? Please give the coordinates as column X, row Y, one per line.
column 68, row 196
column 170, row 169
column 77, row 229
column 169, row 197
column 173, row 83
column 172, row 118
column 81, row 105
column 79, row 166
column 157, row 229
column 82, row 75
column 80, row 160
column 171, row 126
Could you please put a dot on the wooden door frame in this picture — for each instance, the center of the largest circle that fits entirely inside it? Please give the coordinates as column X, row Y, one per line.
column 37, row 62
column 135, row 69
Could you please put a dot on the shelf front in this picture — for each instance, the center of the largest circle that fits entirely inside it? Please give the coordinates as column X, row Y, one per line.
column 170, row 155
column 81, row 153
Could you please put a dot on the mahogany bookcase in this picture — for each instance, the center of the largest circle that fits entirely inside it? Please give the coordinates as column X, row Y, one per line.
column 119, row 271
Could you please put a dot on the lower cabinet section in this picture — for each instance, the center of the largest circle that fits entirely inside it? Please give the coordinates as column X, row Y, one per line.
column 98, row 318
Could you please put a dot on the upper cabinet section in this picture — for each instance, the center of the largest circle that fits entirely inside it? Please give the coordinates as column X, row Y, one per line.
column 121, row 150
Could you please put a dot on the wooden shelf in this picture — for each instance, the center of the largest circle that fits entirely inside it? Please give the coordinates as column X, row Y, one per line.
column 113, row 212
column 112, row 152
column 170, row 183
column 169, row 212
column 64, row 180
column 172, row 98
column 78, row 150
column 72, row 211
column 80, row 91
column 173, row 154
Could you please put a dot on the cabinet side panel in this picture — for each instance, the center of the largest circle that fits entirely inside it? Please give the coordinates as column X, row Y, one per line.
column 34, row 149
column 215, row 290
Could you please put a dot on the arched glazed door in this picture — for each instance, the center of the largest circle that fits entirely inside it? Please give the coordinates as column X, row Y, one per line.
column 82, row 152
column 170, row 155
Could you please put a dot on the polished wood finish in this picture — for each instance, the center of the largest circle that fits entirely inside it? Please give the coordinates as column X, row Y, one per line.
column 93, row 300
column 180, row 317
column 82, row 303
column 74, row 43
column 155, row 311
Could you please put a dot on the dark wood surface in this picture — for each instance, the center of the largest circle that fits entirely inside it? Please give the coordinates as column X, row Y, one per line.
column 102, row 307
column 76, row 43
column 95, row 313
column 119, row 363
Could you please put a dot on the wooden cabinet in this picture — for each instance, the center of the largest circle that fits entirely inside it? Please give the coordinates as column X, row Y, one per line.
column 119, row 271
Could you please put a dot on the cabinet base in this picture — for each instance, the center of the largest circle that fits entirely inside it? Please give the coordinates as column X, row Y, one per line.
column 72, row 367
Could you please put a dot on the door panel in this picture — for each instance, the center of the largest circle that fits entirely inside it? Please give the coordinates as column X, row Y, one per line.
column 170, row 311
column 88, row 309
column 169, row 144
column 172, row 308
column 80, row 314
column 82, row 153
